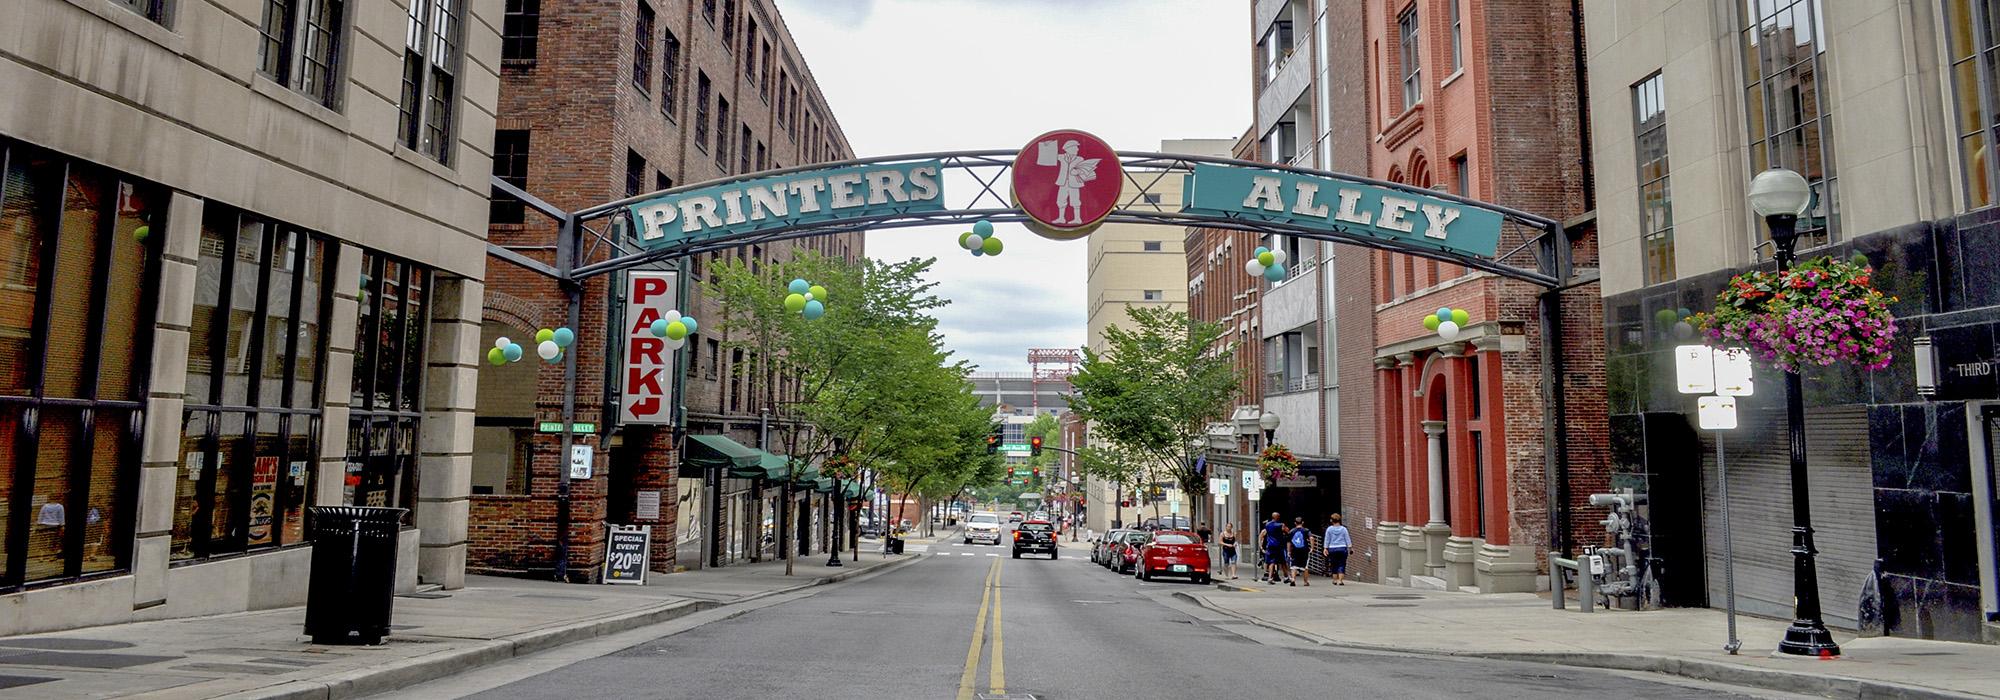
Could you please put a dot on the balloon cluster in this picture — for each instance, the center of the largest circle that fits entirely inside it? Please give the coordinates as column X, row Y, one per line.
column 806, row 299
column 549, row 345
column 1678, row 319
column 1447, row 321
column 1268, row 263
column 674, row 327
column 980, row 240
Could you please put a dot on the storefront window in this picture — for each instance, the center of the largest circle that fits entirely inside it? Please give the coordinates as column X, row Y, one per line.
column 253, row 387
column 72, row 359
column 386, row 406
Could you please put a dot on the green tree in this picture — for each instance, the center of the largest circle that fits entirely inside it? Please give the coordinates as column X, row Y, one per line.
column 1154, row 391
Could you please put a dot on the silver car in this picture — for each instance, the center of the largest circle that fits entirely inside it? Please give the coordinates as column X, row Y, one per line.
column 984, row 527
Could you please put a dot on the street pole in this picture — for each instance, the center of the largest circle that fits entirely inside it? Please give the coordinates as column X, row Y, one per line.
column 1807, row 635
column 1728, row 548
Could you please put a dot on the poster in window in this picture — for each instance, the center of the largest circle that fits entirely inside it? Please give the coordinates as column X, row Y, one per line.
column 263, row 500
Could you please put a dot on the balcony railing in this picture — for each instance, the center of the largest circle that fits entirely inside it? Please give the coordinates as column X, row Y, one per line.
column 1281, row 384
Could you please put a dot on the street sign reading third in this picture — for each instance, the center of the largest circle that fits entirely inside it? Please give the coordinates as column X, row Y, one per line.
column 1067, row 181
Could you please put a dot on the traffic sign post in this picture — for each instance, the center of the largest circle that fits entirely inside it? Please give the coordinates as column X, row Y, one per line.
column 1699, row 369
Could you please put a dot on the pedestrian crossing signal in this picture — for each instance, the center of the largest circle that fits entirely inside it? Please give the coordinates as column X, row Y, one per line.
column 993, row 444
column 1035, row 448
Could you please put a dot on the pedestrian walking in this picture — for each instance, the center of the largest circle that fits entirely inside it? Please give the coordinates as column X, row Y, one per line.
column 1207, row 535
column 1274, row 549
column 1337, row 542
column 1229, row 550
column 1301, row 552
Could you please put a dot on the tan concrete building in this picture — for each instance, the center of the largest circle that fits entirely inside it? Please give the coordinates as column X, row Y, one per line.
column 243, row 263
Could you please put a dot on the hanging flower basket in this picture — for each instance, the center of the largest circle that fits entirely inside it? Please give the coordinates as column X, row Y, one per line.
column 841, row 468
column 1822, row 312
column 1277, row 462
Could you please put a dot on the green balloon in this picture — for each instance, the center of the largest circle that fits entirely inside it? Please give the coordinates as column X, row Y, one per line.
column 992, row 246
column 1267, row 258
column 1665, row 317
column 544, row 335
column 677, row 330
column 139, row 234
column 962, row 237
column 1460, row 316
column 1431, row 322
column 795, row 302
column 496, row 356
column 818, row 292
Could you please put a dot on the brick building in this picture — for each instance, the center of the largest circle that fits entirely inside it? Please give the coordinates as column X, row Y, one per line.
column 1219, row 292
column 598, row 102
column 1478, row 99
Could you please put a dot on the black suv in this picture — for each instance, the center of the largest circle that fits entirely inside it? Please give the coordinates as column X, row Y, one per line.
column 1035, row 536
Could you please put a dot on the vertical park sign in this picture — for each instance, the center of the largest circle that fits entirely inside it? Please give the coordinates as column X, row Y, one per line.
column 649, row 373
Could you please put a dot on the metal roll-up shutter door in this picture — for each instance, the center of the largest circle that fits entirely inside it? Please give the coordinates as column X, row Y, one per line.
column 1760, row 497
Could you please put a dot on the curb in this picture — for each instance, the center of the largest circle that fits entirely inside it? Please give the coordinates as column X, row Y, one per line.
column 1711, row 671
column 407, row 672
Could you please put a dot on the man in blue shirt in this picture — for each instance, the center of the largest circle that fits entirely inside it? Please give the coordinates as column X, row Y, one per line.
column 1275, row 551
column 1337, row 544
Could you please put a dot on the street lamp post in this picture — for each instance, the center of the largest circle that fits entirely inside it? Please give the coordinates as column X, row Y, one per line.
column 1269, row 422
column 1781, row 196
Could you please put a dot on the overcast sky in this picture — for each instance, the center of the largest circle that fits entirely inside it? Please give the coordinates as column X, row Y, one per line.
column 908, row 76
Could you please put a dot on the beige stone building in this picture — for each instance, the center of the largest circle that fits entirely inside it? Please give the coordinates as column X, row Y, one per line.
column 242, row 245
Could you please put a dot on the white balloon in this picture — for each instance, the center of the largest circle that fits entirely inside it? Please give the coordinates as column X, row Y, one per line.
column 809, row 296
column 502, row 343
column 673, row 315
column 1254, row 268
column 1683, row 330
column 975, row 242
column 1448, row 330
column 675, row 344
column 548, row 350
column 1279, row 256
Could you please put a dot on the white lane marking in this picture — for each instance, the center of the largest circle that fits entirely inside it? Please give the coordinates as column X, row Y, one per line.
column 990, row 555
column 967, row 554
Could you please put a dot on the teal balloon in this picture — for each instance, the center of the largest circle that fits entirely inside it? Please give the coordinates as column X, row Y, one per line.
column 1461, row 316
column 1444, row 312
column 976, row 252
column 814, row 310
column 1685, row 312
column 1275, row 272
column 689, row 322
column 982, row 227
column 798, row 286
column 793, row 302
column 512, row 352
column 556, row 358
column 1431, row 322
column 563, row 337
column 659, row 328
column 495, row 357
column 991, row 246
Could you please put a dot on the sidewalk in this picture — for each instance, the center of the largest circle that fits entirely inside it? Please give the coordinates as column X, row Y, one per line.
column 1681, row 641
column 264, row 654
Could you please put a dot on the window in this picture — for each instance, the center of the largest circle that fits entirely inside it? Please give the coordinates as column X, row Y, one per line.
column 300, row 46
column 1413, row 69
column 1457, row 51
column 1784, row 47
column 764, row 86
column 520, row 30
column 250, row 432
column 1291, row 361
column 1276, row 47
column 635, row 173
column 750, row 50
column 721, row 133
column 155, row 10
column 708, row 12
column 714, row 357
column 1479, row 479
column 1656, row 206
column 642, row 49
column 701, row 91
column 661, row 182
column 1971, row 42
column 729, row 25
column 386, row 408
column 501, row 457
column 1152, row 295
column 430, row 77
column 784, row 103
column 763, row 157
column 1150, row 198
column 1461, row 176
column 670, row 75
column 794, row 133
column 74, row 345
column 510, row 163
column 743, row 143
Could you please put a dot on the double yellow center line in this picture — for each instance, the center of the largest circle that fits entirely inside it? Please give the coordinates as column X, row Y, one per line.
column 996, row 678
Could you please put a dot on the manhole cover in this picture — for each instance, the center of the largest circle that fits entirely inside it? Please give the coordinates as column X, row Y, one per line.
column 1390, row 605
column 1399, row 596
column 64, row 644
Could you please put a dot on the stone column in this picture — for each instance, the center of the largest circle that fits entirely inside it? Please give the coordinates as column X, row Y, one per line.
column 1388, row 552
column 444, row 479
column 1411, row 538
column 1435, row 530
column 343, row 317
column 160, row 454
column 1459, row 549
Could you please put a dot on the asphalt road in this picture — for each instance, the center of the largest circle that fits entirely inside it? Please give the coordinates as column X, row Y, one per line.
column 1046, row 629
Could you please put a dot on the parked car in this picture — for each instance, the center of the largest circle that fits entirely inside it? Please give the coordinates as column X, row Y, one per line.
column 1125, row 552
column 1166, row 522
column 1035, row 536
column 1016, row 517
column 1100, row 548
column 984, row 527
column 1173, row 553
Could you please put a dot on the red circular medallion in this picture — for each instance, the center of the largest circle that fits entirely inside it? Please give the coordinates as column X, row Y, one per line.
column 1067, row 181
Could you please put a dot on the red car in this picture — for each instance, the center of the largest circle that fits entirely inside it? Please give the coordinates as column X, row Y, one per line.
column 1173, row 553
column 1124, row 556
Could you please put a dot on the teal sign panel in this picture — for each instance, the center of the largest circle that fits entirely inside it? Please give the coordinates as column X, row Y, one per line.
column 1337, row 205
column 829, row 195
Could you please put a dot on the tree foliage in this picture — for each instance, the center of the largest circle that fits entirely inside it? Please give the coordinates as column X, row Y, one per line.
column 1151, row 395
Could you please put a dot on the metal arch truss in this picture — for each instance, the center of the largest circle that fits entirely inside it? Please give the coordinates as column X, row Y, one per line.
column 1541, row 257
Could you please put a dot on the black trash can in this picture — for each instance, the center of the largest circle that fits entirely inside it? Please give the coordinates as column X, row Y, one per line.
column 895, row 545
column 353, row 574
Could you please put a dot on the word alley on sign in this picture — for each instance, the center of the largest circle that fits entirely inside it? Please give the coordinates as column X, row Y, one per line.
column 1333, row 204
column 813, row 196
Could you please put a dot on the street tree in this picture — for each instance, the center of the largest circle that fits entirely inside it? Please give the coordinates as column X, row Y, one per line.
column 1155, row 389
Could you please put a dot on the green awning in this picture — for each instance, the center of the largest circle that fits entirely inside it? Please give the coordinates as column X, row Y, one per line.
column 806, row 475
column 705, row 452
column 823, row 484
column 853, row 489
column 769, row 467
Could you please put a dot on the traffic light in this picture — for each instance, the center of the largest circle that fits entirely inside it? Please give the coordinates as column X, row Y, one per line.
column 1038, row 473
column 992, row 444
column 1035, row 447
